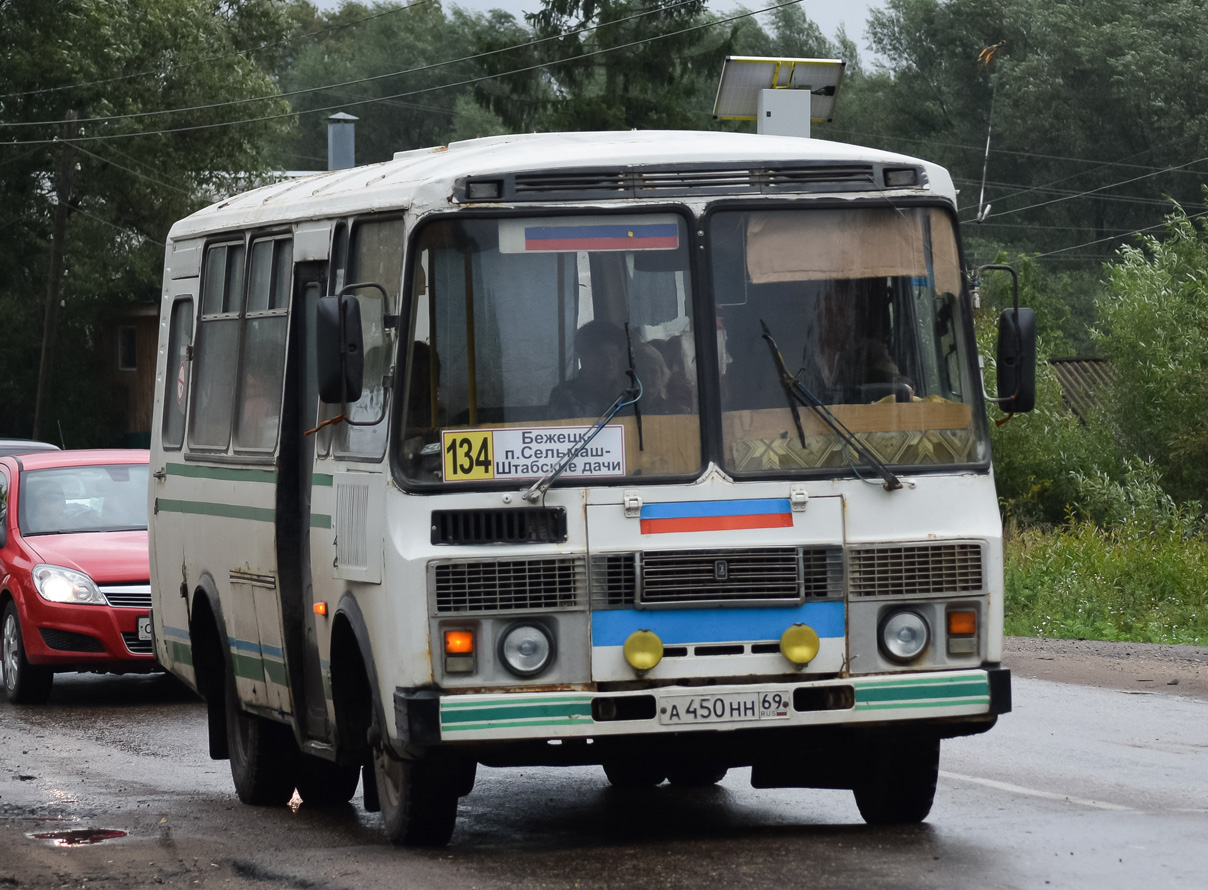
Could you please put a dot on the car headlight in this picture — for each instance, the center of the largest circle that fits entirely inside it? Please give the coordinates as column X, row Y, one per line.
column 904, row 636
column 60, row 585
column 526, row 649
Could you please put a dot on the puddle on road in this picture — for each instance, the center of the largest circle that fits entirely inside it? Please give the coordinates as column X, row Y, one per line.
column 78, row 837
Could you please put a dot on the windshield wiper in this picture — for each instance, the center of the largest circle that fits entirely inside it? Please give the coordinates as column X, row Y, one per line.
column 627, row 396
column 797, row 393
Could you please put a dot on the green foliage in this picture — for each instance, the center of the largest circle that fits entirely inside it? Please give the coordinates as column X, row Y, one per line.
column 1154, row 314
column 1126, row 581
column 149, row 81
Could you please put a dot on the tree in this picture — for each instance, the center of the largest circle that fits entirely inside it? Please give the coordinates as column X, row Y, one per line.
column 152, row 83
column 1154, row 314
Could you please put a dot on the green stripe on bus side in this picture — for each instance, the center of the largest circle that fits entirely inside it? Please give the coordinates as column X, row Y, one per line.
column 232, row 511
column 498, row 712
column 323, row 480
column 982, row 701
column 453, row 705
column 223, row 474
column 249, row 667
column 180, row 653
column 921, row 690
column 511, row 724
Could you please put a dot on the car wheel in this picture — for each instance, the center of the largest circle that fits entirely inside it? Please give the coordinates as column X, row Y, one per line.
column 418, row 798
column 24, row 683
column 263, row 754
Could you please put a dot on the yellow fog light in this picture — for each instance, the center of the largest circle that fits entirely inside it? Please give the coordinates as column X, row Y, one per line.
column 643, row 650
column 799, row 644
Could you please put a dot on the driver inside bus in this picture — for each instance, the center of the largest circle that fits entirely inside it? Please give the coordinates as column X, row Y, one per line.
column 602, row 376
column 845, row 359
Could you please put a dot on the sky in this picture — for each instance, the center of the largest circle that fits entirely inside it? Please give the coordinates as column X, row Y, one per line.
column 827, row 14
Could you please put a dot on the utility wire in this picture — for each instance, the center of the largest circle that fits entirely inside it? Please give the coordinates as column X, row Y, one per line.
column 348, row 83
column 467, row 82
column 245, row 52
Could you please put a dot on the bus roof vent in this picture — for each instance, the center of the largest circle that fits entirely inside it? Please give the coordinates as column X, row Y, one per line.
column 686, row 180
column 524, row 526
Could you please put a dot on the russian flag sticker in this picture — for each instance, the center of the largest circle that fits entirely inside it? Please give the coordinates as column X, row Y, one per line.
column 712, row 516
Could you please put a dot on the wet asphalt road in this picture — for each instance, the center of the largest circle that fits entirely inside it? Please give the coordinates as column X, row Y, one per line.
column 1078, row 788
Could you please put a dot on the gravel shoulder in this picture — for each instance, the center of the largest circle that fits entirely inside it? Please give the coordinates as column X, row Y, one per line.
column 1131, row 667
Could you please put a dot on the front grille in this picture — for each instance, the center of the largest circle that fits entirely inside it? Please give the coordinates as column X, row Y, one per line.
column 67, row 641
column 917, row 569
column 614, row 580
column 768, row 575
column 128, row 596
column 524, row 526
column 135, row 645
column 508, row 585
column 693, row 576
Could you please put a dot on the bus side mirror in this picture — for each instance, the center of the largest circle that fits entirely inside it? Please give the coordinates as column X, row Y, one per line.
column 1017, row 360
column 340, row 355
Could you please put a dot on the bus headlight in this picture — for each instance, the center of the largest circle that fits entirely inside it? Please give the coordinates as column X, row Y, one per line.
column 526, row 649
column 904, row 636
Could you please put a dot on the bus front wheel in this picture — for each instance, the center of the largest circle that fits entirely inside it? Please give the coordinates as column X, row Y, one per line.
column 325, row 784
column 897, row 784
column 418, row 798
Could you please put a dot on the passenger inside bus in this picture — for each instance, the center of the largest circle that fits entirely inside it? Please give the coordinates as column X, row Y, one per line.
column 602, row 374
column 845, row 358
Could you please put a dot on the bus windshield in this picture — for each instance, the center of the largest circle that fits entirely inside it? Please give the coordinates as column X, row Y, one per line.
column 525, row 331
column 863, row 303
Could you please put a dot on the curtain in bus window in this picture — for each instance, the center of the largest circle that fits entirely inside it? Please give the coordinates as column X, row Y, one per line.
column 846, row 243
column 176, row 373
column 217, row 351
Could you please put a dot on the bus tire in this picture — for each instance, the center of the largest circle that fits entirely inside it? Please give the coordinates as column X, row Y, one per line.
column 322, row 783
column 696, row 774
column 418, row 799
column 897, row 785
column 263, row 755
column 24, row 683
column 633, row 774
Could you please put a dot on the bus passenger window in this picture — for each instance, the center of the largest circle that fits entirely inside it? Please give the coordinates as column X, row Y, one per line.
column 217, row 355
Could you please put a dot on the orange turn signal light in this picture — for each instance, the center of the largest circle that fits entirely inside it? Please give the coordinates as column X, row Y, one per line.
column 962, row 624
column 320, row 608
column 459, row 642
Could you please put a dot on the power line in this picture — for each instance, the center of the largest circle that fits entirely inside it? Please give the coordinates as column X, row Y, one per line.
column 416, row 70
column 1160, row 225
column 467, row 82
column 245, row 52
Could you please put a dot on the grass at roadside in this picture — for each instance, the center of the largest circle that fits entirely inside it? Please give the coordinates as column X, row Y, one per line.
column 1134, row 582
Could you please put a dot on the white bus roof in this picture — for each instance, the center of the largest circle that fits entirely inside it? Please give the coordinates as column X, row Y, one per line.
column 423, row 179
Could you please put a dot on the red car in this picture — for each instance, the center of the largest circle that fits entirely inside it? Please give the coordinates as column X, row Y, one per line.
column 74, row 575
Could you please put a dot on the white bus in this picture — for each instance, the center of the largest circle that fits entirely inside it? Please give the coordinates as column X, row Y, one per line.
column 660, row 451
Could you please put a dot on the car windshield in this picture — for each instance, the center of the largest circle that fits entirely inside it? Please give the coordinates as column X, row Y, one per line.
column 863, row 304
column 84, row 499
column 526, row 332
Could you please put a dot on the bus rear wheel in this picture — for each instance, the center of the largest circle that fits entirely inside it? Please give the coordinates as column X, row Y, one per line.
column 418, row 798
column 634, row 773
column 696, row 774
column 898, row 784
column 263, row 755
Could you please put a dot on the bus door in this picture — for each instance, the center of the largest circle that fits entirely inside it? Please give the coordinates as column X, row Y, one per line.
column 294, row 504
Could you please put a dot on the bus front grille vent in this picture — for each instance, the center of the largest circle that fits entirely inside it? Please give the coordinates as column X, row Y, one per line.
column 754, row 575
column 614, row 580
column 508, row 585
column 924, row 569
column 524, row 526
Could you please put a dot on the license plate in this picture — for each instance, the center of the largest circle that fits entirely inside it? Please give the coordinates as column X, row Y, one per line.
column 725, row 707
column 144, row 628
